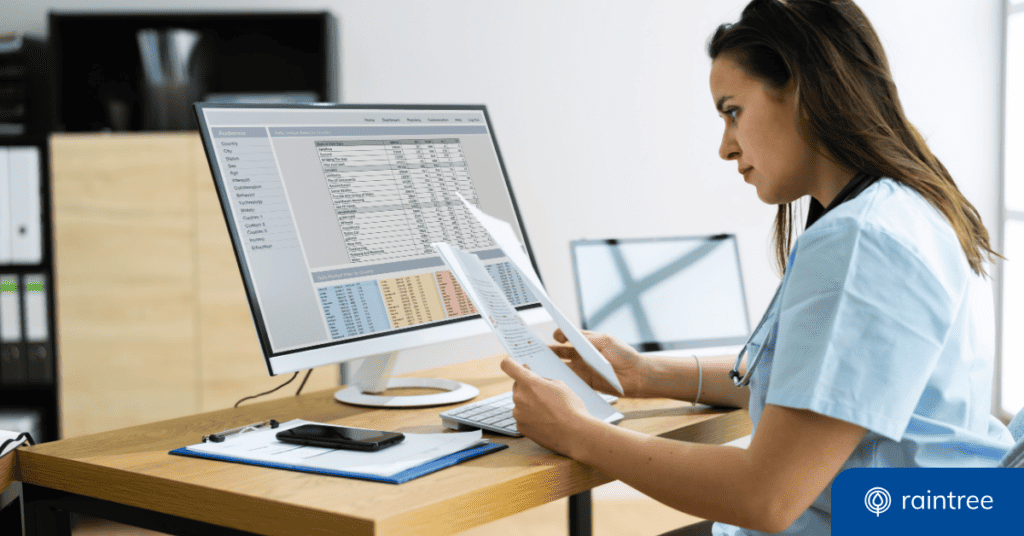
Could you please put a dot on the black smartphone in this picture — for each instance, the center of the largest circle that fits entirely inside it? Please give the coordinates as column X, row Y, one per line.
column 339, row 437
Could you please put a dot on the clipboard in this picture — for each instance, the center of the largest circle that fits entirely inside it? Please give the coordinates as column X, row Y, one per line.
column 268, row 427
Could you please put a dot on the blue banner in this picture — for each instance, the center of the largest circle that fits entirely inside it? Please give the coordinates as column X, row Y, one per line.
column 928, row 501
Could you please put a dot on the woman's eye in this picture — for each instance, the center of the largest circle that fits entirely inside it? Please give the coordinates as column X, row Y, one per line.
column 731, row 112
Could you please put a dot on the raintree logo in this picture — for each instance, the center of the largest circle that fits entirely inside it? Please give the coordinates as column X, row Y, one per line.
column 917, row 500
column 877, row 500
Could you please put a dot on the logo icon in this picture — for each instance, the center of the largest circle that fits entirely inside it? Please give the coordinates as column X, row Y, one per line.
column 877, row 500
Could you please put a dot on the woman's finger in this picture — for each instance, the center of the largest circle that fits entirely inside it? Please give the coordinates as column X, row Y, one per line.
column 519, row 373
column 564, row 352
column 514, row 370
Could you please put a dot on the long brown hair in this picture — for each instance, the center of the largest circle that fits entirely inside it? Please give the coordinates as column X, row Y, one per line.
column 848, row 104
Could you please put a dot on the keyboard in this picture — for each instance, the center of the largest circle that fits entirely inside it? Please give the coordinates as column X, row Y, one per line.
column 492, row 414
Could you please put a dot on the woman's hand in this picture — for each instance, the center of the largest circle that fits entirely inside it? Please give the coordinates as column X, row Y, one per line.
column 545, row 410
column 629, row 366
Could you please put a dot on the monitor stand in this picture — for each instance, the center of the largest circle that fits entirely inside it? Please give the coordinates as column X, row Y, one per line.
column 374, row 376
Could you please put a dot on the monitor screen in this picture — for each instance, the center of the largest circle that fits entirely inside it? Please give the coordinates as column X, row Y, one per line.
column 332, row 210
column 663, row 293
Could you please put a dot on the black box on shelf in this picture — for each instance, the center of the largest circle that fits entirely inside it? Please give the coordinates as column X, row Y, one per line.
column 26, row 105
column 148, row 68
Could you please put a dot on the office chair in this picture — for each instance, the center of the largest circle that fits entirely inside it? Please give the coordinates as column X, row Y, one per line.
column 1015, row 457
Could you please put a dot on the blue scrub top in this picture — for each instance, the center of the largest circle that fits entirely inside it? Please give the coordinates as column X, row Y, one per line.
column 882, row 323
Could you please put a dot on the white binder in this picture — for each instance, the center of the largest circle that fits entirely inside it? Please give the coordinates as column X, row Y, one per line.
column 38, row 353
column 5, row 209
column 13, row 366
column 34, row 296
column 10, row 309
column 24, row 175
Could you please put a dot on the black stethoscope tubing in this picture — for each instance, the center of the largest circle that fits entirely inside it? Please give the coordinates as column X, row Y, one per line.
column 737, row 380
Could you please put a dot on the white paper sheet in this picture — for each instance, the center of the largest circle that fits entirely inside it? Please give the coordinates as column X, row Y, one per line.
column 521, row 343
column 413, row 451
column 4, row 436
column 502, row 233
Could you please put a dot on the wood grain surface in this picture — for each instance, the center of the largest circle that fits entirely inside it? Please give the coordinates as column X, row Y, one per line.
column 7, row 470
column 131, row 466
column 151, row 311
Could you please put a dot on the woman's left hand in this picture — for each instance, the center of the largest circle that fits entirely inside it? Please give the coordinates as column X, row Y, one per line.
column 545, row 410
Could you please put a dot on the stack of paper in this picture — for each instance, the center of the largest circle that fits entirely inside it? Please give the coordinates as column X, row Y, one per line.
column 6, row 436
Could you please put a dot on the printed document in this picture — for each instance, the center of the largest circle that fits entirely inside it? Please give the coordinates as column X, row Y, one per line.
column 505, row 237
column 521, row 343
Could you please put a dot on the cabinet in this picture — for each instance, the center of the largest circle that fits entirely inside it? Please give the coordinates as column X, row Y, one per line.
column 151, row 314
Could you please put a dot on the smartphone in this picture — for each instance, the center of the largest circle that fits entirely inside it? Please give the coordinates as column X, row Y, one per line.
column 339, row 437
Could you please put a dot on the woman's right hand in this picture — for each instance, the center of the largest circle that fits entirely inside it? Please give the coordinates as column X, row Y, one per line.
column 629, row 365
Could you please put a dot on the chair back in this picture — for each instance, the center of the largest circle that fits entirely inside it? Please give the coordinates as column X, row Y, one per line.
column 1015, row 457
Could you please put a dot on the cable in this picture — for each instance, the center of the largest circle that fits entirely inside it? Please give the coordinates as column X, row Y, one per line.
column 700, row 381
column 303, row 384
column 270, row 391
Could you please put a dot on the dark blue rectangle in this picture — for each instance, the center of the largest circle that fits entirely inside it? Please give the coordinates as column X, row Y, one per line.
column 927, row 501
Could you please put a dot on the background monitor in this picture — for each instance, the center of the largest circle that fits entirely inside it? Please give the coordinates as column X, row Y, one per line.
column 663, row 293
column 331, row 211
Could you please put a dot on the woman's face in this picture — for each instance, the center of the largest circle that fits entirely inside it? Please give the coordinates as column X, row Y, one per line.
column 762, row 134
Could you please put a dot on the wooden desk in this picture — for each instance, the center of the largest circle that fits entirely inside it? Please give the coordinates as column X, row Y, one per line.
column 10, row 514
column 126, row 475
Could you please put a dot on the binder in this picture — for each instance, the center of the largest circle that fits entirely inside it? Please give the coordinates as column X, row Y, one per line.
column 37, row 330
column 264, row 433
column 5, row 209
column 24, row 175
column 13, row 367
column 404, row 476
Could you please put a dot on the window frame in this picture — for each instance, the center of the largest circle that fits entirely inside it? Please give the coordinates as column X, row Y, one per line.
column 1011, row 8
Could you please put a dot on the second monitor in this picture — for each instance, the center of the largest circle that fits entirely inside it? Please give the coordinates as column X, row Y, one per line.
column 673, row 293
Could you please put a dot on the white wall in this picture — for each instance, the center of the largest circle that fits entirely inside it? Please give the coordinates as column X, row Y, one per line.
column 603, row 113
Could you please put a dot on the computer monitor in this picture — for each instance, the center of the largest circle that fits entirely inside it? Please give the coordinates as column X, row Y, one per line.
column 332, row 210
column 676, row 293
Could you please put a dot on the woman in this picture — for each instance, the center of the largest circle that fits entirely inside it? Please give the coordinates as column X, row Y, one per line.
column 876, row 351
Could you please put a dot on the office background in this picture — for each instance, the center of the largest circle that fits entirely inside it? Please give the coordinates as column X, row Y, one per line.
column 603, row 114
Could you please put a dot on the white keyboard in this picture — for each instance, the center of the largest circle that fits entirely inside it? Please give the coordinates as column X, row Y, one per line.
column 492, row 414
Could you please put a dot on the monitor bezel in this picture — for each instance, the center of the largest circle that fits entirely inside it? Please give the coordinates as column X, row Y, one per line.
column 262, row 333
column 679, row 344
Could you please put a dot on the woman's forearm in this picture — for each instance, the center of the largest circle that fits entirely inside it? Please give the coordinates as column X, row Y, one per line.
column 766, row 487
column 708, row 481
column 677, row 378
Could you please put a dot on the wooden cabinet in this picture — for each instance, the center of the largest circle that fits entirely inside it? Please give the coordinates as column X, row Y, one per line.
column 152, row 318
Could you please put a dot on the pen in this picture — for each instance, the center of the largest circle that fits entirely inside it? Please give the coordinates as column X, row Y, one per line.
column 220, row 437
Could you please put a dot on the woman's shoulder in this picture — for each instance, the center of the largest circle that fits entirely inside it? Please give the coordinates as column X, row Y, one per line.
column 891, row 209
column 895, row 218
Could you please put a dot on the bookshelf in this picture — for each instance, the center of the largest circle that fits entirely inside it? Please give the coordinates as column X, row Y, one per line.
column 29, row 384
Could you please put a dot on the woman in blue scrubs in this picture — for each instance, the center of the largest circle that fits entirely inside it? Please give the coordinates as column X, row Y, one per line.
column 877, row 350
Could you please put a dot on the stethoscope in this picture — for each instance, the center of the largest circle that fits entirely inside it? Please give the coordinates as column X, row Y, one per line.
column 735, row 372
column 737, row 380
column 858, row 184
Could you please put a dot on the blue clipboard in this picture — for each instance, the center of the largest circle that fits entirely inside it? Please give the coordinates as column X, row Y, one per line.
column 398, row 478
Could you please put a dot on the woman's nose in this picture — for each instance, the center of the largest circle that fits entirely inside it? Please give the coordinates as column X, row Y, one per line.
column 729, row 150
